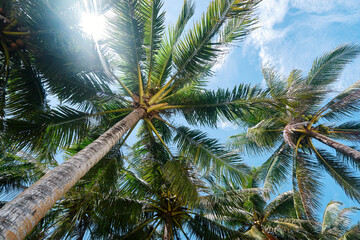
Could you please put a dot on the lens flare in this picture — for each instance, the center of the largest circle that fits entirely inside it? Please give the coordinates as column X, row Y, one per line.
column 93, row 25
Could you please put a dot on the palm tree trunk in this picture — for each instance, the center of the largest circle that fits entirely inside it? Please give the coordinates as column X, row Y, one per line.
column 19, row 217
column 336, row 145
column 167, row 229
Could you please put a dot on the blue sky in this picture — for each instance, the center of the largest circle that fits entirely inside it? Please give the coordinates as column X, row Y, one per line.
column 291, row 34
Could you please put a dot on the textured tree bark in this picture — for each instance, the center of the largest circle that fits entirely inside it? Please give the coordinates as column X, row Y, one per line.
column 336, row 145
column 19, row 217
column 167, row 229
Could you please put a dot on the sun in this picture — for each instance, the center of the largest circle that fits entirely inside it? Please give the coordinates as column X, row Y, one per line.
column 93, row 25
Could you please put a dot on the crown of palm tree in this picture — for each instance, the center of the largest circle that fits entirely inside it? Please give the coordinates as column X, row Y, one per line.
column 246, row 210
column 292, row 127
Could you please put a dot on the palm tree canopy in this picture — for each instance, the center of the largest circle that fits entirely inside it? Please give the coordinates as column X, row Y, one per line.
column 291, row 127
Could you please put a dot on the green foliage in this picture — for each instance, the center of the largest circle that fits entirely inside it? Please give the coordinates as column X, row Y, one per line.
column 286, row 127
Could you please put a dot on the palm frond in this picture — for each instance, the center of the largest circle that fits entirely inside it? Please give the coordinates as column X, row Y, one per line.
column 328, row 68
column 206, row 107
column 204, row 228
column 48, row 131
column 184, row 185
column 18, row 173
column 126, row 37
column 348, row 131
column 276, row 169
column 250, row 146
column 208, row 154
column 344, row 176
column 352, row 234
column 163, row 59
column 344, row 104
column 153, row 31
column 25, row 92
column 330, row 214
column 308, row 184
column 197, row 49
column 277, row 206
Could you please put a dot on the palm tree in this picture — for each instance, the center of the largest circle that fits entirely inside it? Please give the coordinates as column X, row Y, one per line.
column 246, row 210
column 152, row 193
column 160, row 75
column 292, row 128
column 336, row 223
column 40, row 52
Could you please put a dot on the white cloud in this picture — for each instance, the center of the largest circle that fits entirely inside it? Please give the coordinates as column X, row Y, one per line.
column 320, row 6
column 226, row 125
column 271, row 12
column 293, row 33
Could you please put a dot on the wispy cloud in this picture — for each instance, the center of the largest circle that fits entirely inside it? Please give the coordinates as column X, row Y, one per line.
column 293, row 33
column 226, row 125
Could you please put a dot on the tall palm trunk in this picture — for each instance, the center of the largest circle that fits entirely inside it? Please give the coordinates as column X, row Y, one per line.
column 336, row 145
column 167, row 229
column 18, row 217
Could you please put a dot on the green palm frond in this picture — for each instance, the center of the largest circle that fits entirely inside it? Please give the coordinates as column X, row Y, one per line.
column 25, row 92
column 153, row 31
column 184, row 185
column 204, row 228
column 209, row 155
column 328, row 68
column 243, row 143
column 126, row 37
column 132, row 184
column 275, row 170
column 232, row 201
column 331, row 212
column 68, row 80
column 163, row 59
column 352, row 234
column 18, row 173
column 349, row 160
column 348, row 131
column 307, row 184
column 344, row 104
column 52, row 129
column 198, row 49
column 336, row 222
column 205, row 107
column 280, row 206
column 266, row 132
column 276, row 86
column 343, row 175
column 60, row 56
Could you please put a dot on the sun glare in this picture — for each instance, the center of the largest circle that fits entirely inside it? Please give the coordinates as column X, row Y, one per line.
column 93, row 25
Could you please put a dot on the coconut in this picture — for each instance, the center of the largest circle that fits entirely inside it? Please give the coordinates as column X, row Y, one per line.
column 13, row 45
column 20, row 43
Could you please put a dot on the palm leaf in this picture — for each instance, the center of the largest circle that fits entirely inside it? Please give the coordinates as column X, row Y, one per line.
column 344, row 176
column 275, row 170
column 163, row 59
column 307, row 184
column 196, row 50
column 344, row 104
column 153, row 30
column 126, row 37
column 328, row 68
column 208, row 154
column 279, row 205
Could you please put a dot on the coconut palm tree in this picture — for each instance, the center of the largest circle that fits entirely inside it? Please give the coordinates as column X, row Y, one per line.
column 41, row 54
column 153, row 197
column 159, row 74
column 246, row 209
column 292, row 128
column 336, row 223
